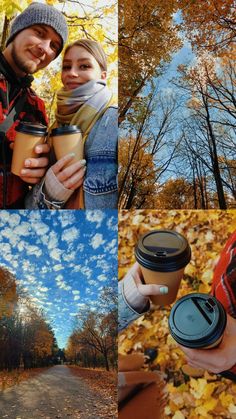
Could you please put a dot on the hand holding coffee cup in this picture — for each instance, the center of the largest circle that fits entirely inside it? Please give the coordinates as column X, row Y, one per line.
column 69, row 174
column 67, row 140
column 219, row 359
column 163, row 256
column 206, row 334
column 197, row 321
column 28, row 144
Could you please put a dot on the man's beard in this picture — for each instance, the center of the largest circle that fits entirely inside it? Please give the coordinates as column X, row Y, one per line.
column 29, row 67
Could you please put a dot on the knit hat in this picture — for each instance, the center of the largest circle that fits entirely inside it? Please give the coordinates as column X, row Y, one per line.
column 94, row 48
column 40, row 14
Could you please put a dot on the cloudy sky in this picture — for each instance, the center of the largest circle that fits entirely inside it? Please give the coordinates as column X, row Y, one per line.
column 63, row 259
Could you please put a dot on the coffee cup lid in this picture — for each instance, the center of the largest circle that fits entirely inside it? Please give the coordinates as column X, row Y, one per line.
column 197, row 320
column 163, row 251
column 31, row 128
column 65, row 129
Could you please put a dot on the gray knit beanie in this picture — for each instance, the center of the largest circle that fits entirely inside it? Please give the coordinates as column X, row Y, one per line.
column 39, row 13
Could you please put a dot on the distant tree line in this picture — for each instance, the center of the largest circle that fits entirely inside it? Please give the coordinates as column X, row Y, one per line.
column 93, row 343
column 26, row 339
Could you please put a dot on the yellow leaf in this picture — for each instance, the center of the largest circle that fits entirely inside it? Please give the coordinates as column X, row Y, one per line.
column 178, row 415
column 226, row 399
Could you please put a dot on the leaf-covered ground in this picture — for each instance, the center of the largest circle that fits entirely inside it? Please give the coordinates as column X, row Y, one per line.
column 9, row 379
column 206, row 396
column 105, row 385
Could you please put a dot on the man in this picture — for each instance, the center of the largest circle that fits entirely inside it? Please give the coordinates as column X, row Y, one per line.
column 37, row 37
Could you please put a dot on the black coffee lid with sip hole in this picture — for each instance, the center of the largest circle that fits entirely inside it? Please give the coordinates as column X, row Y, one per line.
column 32, row 128
column 197, row 320
column 65, row 129
column 163, row 251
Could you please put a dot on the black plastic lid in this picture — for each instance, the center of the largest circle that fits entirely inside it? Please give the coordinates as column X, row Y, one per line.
column 31, row 128
column 163, row 251
column 197, row 320
column 66, row 129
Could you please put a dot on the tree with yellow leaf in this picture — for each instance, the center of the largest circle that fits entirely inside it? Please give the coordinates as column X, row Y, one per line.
column 8, row 294
column 210, row 25
column 147, row 39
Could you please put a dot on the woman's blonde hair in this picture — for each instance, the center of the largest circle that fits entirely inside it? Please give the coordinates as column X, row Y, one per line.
column 94, row 48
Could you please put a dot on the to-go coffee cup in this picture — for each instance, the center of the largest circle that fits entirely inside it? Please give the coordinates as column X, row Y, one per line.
column 163, row 256
column 66, row 140
column 28, row 135
column 197, row 321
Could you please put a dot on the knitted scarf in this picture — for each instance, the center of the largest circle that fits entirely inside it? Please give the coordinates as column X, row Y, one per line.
column 82, row 106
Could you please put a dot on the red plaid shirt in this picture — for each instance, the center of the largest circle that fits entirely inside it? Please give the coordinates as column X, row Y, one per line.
column 224, row 280
column 30, row 109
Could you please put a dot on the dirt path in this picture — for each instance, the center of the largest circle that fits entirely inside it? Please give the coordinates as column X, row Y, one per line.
column 55, row 393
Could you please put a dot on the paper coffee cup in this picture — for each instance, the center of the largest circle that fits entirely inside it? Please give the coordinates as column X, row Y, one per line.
column 197, row 321
column 162, row 256
column 66, row 140
column 27, row 137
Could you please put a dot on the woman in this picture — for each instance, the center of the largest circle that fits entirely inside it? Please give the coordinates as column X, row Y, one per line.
column 84, row 101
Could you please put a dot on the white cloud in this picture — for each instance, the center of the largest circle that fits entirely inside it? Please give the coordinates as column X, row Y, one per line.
column 58, row 267
column 69, row 256
column 62, row 284
column 7, row 232
column 70, row 234
column 14, row 220
column 85, row 270
column 43, row 289
column 77, row 268
column 97, row 240
column 75, row 292
column 53, row 240
column 92, row 282
column 102, row 277
column 33, row 250
column 4, row 217
column 112, row 224
column 56, row 254
column 76, row 297
column 95, row 217
column 81, row 305
column 23, row 229
column 80, row 247
column 40, row 228
column 66, row 218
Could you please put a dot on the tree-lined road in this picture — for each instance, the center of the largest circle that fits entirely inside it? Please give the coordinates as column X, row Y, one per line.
column 55, row 393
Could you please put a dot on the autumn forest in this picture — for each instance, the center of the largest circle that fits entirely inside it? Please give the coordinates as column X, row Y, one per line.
column 177, row 104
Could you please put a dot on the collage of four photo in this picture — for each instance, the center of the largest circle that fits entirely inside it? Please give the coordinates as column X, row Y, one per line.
column 118, row 209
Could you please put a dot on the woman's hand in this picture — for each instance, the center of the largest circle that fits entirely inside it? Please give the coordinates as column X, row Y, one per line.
column 146, row 290
column 217, row 359
column 71, row 177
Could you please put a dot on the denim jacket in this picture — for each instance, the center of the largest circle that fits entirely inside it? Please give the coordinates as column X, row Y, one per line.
column 126, row 314
column 100, row 183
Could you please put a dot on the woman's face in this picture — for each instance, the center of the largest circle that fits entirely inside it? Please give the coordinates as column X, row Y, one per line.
column 79, row 67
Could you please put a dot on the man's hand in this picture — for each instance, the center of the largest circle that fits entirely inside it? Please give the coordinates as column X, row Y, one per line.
column 35, row 168
column 217, row 359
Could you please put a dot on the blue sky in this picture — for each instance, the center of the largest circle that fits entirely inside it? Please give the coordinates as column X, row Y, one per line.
column 62, row 259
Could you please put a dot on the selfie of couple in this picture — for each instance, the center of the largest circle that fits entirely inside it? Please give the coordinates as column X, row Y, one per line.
column 72, row 163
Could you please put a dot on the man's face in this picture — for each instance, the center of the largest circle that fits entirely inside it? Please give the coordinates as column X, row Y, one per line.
column 33, row 49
